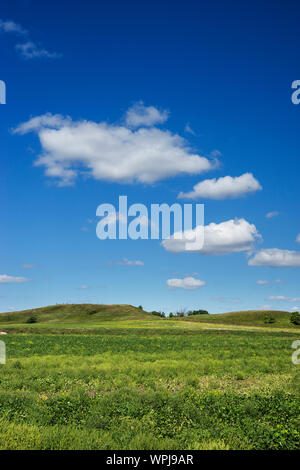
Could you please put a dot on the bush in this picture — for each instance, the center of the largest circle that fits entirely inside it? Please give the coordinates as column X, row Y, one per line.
column 140, row 307
column 158, row 314
column 197, row 312
column 295, row 318
column 31, row 320
column 269, row 318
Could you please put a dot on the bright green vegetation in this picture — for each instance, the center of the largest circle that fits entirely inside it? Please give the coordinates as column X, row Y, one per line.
column 76, row 313
column 146, row 383
column 250, row 317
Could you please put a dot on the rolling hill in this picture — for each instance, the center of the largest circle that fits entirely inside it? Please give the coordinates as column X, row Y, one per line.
column 247, row 317
column 77, row 313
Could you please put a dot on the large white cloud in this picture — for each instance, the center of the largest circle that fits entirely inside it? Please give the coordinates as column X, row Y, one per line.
column 275, row 257
column 222, row 188
column 231, row 236
column 111, row 152
column 5, row 279
column 188, row 283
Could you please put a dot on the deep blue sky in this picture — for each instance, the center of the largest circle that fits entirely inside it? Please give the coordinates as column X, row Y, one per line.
column 226, row 69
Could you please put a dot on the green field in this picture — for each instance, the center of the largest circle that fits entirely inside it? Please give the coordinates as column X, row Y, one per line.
column 115, row 377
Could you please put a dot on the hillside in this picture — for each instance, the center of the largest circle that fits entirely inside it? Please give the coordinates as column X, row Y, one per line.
column 247, row 317
column 77, row 313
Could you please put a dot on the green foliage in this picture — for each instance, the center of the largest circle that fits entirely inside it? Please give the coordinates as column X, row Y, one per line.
column 156, row 388
column 32, row 319
column 269, row 318
column 197, row 312
column 295, row 318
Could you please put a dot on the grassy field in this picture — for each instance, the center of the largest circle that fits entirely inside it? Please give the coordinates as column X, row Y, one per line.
column 129, row 380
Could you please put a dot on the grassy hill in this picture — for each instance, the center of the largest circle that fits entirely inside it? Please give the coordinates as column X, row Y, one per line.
column 247, row 317
column 77, row 313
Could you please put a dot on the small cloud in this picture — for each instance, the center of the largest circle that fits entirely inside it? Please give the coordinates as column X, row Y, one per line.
column 140, row 115
column 295, row 309
column 84, row 229
column 270, row 215
column 83, row 287
column 8, row 26
column 5, row 279
column 188, row 129
column 223, row 188
column 262, row 282
column 298, row 238
column 265, row 307
column 274, row 257
column 278, row 281
column 30, row 50
column 127, row 262
column 29, row 266
column 188, row 283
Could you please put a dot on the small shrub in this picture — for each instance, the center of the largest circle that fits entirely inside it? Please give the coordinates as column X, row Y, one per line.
column 31, row 319
column 140, row 307
column 269, row 319
column 295, row 318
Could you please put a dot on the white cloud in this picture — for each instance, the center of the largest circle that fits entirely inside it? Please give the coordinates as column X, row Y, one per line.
column 295, row 309
column 83, row 287
column 270, row 215
column 298, row 238
column 5, row 279
column 30, row 50
column 275, row 257
column 111, row 152
column 8, row 26
column 188, row 283
column 222, row 188
column 262, row 282
column 140, row 115
column 283, row 298
column 127, row 262
column 29, row 266
column 226, row 237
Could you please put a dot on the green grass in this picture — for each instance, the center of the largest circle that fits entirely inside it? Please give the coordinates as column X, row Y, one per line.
column 116, row 377
column 77, row 313
column 143, row 388
column 250, row 317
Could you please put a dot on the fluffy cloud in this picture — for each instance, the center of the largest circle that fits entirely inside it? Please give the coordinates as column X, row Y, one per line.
column 110, row 152
column 5, row 279
column 262, row 282
column 188, row 283
column 275, row 257
column 222, row 188
column 270, row 215
column 140, row 115
column 231, row 236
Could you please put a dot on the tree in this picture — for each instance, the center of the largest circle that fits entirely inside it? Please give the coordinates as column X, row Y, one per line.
column 295, row 318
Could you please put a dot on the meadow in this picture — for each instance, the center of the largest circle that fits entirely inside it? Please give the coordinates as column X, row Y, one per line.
column 157, row 384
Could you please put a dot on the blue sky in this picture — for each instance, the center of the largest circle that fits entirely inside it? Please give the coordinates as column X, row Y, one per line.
column 222, row 74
